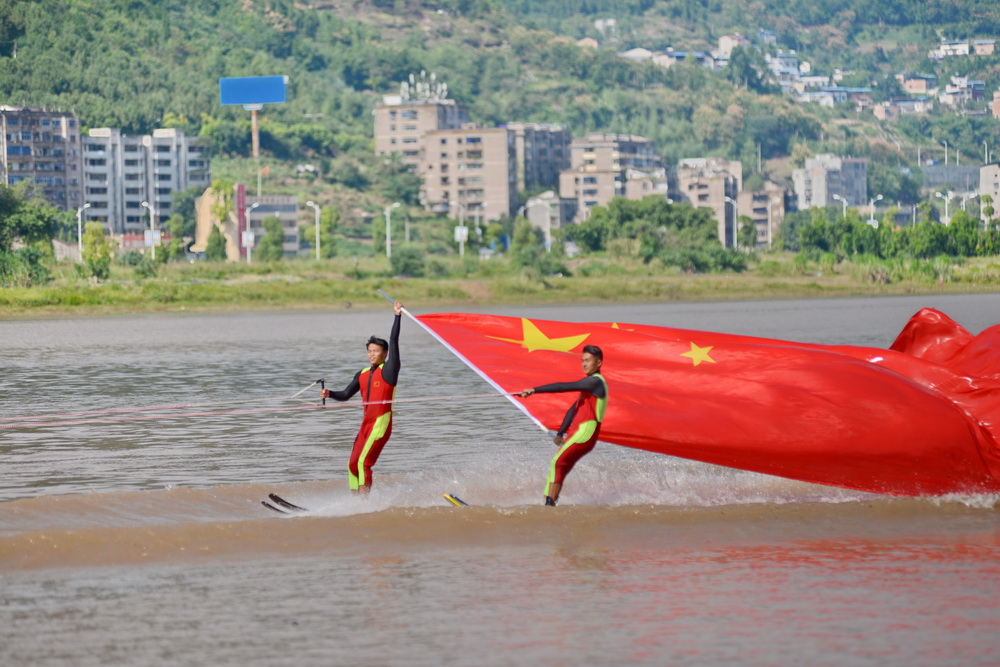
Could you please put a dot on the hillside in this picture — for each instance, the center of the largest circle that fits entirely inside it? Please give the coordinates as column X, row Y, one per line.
column 142, row 64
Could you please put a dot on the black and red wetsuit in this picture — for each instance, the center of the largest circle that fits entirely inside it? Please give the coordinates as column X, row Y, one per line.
column 377, row 385
column 582, row 422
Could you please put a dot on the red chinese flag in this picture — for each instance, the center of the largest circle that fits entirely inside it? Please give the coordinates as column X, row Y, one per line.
column 922, row 418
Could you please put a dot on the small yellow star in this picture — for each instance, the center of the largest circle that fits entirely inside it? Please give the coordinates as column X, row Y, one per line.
column 699, row 354
column 533, row 339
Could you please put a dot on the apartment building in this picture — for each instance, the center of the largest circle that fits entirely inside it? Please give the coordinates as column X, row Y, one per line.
column 541, row 151
column 121, row 172
column 827, row 176
column 766, row 208
column 470, row 172
column 713, row 183
column 401, row 121
column 989, row 184
column 599, row 169
column 42, row 146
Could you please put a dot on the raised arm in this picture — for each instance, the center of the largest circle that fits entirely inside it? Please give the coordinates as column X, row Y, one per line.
column 390, row 371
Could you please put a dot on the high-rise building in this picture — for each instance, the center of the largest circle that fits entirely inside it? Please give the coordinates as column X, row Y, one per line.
column 121, row 172
column 541, row 151
column 713, row 183
column 401, row 121
column 470, row 171
column 825, row 176
column 600, row 166
column 42, row 146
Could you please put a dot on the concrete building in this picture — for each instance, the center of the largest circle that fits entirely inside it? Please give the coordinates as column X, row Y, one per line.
column 541, row 152
column 766, row 208
column 989, row 184
column 43, row 146
column 475, row 167
column 401, row 121
column 599, row 169
column 996, row 104
column 246, row 216
column 544, row 212
column 825, row 176
column 121, row 172
column 713, row 183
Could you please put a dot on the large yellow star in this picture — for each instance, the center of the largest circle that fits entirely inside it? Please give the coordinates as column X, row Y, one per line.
column 533, row 339
column 699, row 354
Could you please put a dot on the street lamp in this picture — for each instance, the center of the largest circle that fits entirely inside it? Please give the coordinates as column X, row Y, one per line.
column 843, row 201
column 965, row 198
column 79, row 228
column 945, row 153
column 731, row 201
column 947, row 218
column 152, row 233
column 388, row 232
column 461, row 224
column 248, row 239
column 871, row 211
column 770, row 201
column 315, row 208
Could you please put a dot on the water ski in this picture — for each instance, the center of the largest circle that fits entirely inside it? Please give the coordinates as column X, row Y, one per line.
column 454, row 500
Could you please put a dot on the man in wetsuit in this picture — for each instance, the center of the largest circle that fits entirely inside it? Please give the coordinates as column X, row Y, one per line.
column 583, row 418
column 377, row 384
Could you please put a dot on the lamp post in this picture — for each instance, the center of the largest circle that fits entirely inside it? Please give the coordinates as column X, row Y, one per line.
column 461, row 223
column 731, row 201
column 152, row 233
column 945, row 143
column 388, row 228
column 842, row 200
column 871, row 211
column 79, row 228
column 947, row 218
column 770, row 201
column 249, row 235
column 315, row 208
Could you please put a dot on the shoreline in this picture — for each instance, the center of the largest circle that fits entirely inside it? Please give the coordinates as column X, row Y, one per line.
column 287, row 292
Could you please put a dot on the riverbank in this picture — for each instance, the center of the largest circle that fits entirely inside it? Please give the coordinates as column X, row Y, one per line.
column 305, row 286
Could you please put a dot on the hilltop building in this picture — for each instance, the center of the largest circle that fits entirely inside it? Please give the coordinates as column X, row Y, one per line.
column 121, row 172
column 42, row 146
column 826, row 176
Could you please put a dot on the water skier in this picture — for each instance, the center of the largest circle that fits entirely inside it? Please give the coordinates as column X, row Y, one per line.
column 377, row 384
column 584, row 419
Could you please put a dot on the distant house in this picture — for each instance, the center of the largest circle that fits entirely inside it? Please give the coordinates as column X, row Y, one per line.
column 984, row 47
column 637, row 54
column 917, row 84
column 893, row 109
column 949, row 48
column 961, row 91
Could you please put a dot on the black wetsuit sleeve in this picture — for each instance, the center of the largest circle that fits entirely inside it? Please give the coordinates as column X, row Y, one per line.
column 390, row 371
column 590, row 384
column 349, row 391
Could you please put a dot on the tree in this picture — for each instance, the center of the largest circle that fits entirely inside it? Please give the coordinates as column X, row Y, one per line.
column 747, row 235
column 271, row 246
column 98, row 250
column 215, row 249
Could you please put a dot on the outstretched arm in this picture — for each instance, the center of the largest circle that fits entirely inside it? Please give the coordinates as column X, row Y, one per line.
column 589, row 384
column 346, row 393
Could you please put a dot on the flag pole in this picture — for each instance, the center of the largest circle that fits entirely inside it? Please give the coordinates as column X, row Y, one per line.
column 506, row 394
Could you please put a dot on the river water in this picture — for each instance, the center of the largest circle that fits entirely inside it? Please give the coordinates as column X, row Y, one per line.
column 138, row 537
